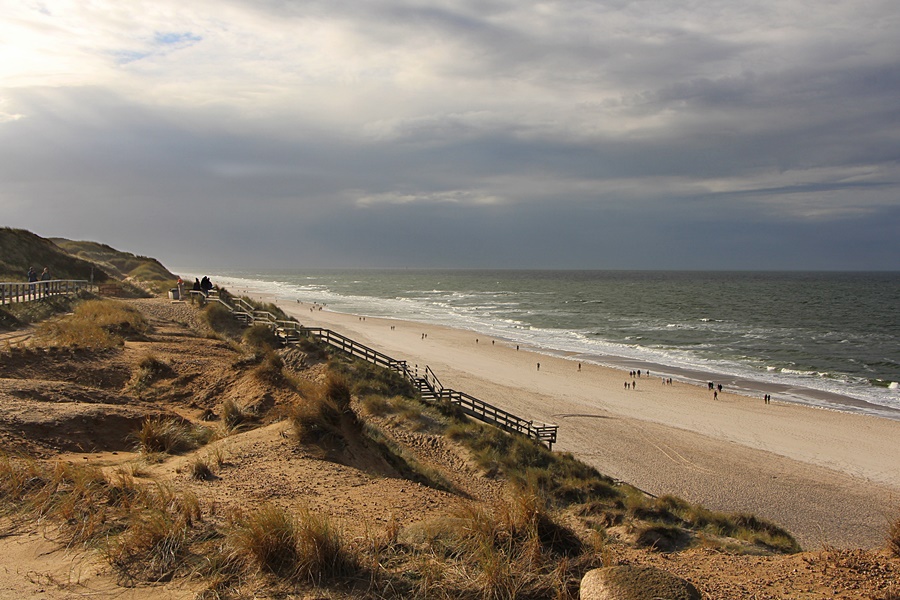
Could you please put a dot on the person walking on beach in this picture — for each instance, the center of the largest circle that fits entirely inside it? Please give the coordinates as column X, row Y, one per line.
column 539, row 366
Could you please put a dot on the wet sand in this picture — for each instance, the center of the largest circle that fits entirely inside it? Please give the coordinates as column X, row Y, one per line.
column 830, row 477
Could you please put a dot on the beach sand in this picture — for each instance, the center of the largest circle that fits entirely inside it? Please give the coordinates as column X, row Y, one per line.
column 831, row 478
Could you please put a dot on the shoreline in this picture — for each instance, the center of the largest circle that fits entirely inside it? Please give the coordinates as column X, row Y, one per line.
column 830, row 477
column 809, row 389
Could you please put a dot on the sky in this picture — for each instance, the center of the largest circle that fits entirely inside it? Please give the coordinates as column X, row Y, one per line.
column 609, row 134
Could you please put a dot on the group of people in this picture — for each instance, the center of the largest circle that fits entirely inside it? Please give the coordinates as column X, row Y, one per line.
column 33, row 278
column 203, row 285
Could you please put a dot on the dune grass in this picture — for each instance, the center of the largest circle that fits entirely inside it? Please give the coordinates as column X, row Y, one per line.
column 260, row 337
column 94, row 324
column 302, row 546
column 894, row 538
column 149, row 369
column 171, row 436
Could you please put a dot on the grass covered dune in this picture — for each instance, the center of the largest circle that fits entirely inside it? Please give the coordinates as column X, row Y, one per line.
column 160, row 450
column 830, row 478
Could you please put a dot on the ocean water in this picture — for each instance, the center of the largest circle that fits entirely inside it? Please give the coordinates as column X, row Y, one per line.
column 826, row 339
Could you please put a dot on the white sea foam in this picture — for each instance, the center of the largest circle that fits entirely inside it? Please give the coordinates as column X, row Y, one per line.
column 481, row 312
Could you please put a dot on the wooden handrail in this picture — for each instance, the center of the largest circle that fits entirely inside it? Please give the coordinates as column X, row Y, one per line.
column 27, row 291
column 470, row 405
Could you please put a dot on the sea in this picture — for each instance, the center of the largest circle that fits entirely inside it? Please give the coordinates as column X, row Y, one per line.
column 829, row 340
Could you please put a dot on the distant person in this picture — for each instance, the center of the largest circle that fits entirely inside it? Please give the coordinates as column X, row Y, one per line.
column 539, row 366
column 205, row 285
column 32, row 277
column 45, row 276
column 180, row 285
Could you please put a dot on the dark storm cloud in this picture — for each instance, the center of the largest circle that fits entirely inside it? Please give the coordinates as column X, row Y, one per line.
column 500, row 134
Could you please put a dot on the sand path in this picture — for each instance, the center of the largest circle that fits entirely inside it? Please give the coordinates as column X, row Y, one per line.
column 831, row 478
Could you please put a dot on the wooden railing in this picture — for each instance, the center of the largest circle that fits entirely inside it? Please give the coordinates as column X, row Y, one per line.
column 427, row 383
column 488, row 413
column 17, row 291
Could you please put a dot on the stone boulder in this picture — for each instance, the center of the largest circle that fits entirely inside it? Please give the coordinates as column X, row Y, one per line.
column 635, row 583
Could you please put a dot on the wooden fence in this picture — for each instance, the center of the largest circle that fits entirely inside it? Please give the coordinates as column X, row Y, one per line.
column 427, row 383
column 17, row 291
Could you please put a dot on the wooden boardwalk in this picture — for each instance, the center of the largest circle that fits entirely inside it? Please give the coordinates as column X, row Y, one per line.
column 427, row 383
column 17, row 291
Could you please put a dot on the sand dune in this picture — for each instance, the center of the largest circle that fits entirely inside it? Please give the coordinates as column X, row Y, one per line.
column 831, row 478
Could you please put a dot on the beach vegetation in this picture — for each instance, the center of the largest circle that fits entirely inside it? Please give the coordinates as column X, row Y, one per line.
column 199, row 469
column 149, row 369
column 514, row 548
column 894, row 538
column 235, row 416
column 170, row 435
column 260, row 337
column 270, row 368
column 303, row 546
column 365, row 378
column 222, row 322
column 20, row 249
column 94, row 324
column 403, row 461
column 22, row 313
column 316, row 420
column 529, row 465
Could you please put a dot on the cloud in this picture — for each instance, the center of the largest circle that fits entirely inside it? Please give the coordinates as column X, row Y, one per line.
column 558, row 134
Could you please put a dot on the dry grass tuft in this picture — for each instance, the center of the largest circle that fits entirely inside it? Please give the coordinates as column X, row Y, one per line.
column 200, row 470
column 235, row 416
column 270, row 368
column 151, row 547
column 261, row 337
column 316, row 420
column 337, row 391
column 94, row 324
column 514, row 549
column 304, row 547
column 170, row 436
column 149, row 369
column 894, row 538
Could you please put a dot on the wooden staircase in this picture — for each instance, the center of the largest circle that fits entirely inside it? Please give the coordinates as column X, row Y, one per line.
column 427, row 384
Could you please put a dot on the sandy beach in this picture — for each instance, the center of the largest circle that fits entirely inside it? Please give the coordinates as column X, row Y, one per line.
column 831, row 478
